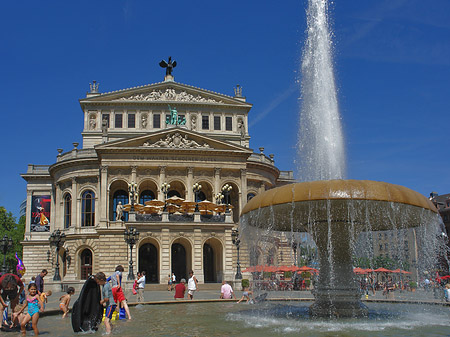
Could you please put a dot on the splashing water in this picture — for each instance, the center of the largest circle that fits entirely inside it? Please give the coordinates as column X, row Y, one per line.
column 321, row 142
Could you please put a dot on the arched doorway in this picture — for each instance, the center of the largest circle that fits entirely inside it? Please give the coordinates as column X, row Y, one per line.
column 148, row 262
column 85, row 264
column 179, row 259
column 212, row 261
column 208, row 264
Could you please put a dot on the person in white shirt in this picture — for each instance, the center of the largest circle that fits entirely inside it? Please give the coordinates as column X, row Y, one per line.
column 192, row 285
column 141, row 287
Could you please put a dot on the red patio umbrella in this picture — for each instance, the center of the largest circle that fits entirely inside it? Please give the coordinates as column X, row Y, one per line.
column 304, row 268
column 382, row 270
column 358, row 270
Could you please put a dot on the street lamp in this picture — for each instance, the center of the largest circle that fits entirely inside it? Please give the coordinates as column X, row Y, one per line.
column 165, row 189
column 7, row 244
column 132, row 189
column 131, row 236
column 57, row 239
column 294, row 248
column 219, row 198
column 196, row 188
column 237, row 243
column 226, row 190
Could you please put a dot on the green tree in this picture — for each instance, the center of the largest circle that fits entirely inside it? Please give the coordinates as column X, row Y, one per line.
column 15, row 231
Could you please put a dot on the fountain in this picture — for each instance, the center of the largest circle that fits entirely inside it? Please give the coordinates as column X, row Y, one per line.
column 333, row 211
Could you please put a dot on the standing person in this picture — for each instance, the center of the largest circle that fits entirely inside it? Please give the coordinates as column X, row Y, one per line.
column 116, row 284
column 107, row 299
column 169, row 283
column 40, row 281
column 64, row 301
column 10, row 287
column 180, row 290
column 192, row 285
column 174, row 279
column 226, row 291
column 141, row 287
column 34, row 305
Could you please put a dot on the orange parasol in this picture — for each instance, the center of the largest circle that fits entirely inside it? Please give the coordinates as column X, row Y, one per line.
column 175, row 200
column 154, row 202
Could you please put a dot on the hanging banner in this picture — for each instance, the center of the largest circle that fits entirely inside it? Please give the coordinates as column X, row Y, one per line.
column 40, row 213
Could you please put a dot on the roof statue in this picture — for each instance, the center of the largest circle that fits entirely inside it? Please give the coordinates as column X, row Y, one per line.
column 168, row 65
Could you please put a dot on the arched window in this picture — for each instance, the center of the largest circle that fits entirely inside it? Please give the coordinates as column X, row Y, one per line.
column 173, row 193
column 146, row 195
column 67, row 210
column 121, row 196
column 250, row 196
column 86, row 264
column 87, row 208
column 201, row 197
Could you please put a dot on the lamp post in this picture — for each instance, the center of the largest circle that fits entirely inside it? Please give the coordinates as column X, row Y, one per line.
column 219, row 198
column 165, row 189
column 132, row 189
column 226, row 190
column 294, row 248
column 57, row 239
column 131, row 236
column 7, row 244
column 237, row 243
column 196, row 188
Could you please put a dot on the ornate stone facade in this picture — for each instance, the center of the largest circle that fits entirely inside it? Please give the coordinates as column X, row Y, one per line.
column 126, row 141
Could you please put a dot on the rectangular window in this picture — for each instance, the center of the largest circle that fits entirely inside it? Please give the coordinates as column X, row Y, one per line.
column 106, row 117
column 156, row 121
column 131, row 121
column 118, row 118
column 217, row 123
column 229, row 123
column 205, row 122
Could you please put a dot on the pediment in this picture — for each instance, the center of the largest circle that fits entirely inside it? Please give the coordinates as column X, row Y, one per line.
column 175, row 138
column 166, row 92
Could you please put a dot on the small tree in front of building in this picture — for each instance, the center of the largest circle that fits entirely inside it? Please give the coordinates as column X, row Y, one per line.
column 15, row 231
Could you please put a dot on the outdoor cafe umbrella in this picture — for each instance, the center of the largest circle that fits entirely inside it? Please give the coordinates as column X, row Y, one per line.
column 172, row 208
column 206, row 205
column 305, row 268
column 137, row 207
column 222, row 208
column 382, row 270
column 151, row 209
column 175, row 200
column 154, row 202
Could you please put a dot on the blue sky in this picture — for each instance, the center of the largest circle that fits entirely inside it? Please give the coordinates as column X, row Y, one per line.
column 392, row 61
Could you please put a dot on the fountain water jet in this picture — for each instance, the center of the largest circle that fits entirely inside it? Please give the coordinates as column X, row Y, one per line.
column 333, row 211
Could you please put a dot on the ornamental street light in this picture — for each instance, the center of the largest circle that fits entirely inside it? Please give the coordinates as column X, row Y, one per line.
column 132, row 189
column 294, row 248
column 131, row 236
column 7, row 244
column 226, row 190
column 219, row 198
column 57, row 240
column 237, row 242
column 165, row 189
column 196, row 188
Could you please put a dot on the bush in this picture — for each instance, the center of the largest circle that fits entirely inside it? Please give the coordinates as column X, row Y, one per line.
column 412, row 284
column 287, row 274
column 306, row 275
column 267, row 275
column 245, row 283
column 307, row 283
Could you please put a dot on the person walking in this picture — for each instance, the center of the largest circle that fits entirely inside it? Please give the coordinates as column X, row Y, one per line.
column 192, row 285
column 40, row 281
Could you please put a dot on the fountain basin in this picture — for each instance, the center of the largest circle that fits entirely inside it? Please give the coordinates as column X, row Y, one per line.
column 334, row 213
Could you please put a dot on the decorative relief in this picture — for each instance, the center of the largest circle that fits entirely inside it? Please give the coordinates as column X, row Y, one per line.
column 203, row 173
column 147, row 172
column 65, row 185
column 119, row 172
column 87, row 180
column 92, row 121
column 194, row 123
column 176, row 140
column 176, row 173
column 144, row 121
column 169, row 95
column 230, row 173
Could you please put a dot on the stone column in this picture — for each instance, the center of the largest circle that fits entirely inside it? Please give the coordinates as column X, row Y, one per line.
column 57, row 212
column 103, row 194
column 162, row 179
column 216, row 180
column 228, row 257
column 197, row 256
column 262, row 188
column 165, row 268
column 28, row 215
column 189, row 184
column 75, row 200
column 243, row 195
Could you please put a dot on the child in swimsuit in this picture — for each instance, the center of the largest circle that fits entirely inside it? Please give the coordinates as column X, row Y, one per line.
column 44, row 297
column 34, row 304
column 246, row 295
column 65, row 300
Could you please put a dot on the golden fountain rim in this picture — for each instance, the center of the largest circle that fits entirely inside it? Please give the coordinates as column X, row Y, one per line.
column 339, row 190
